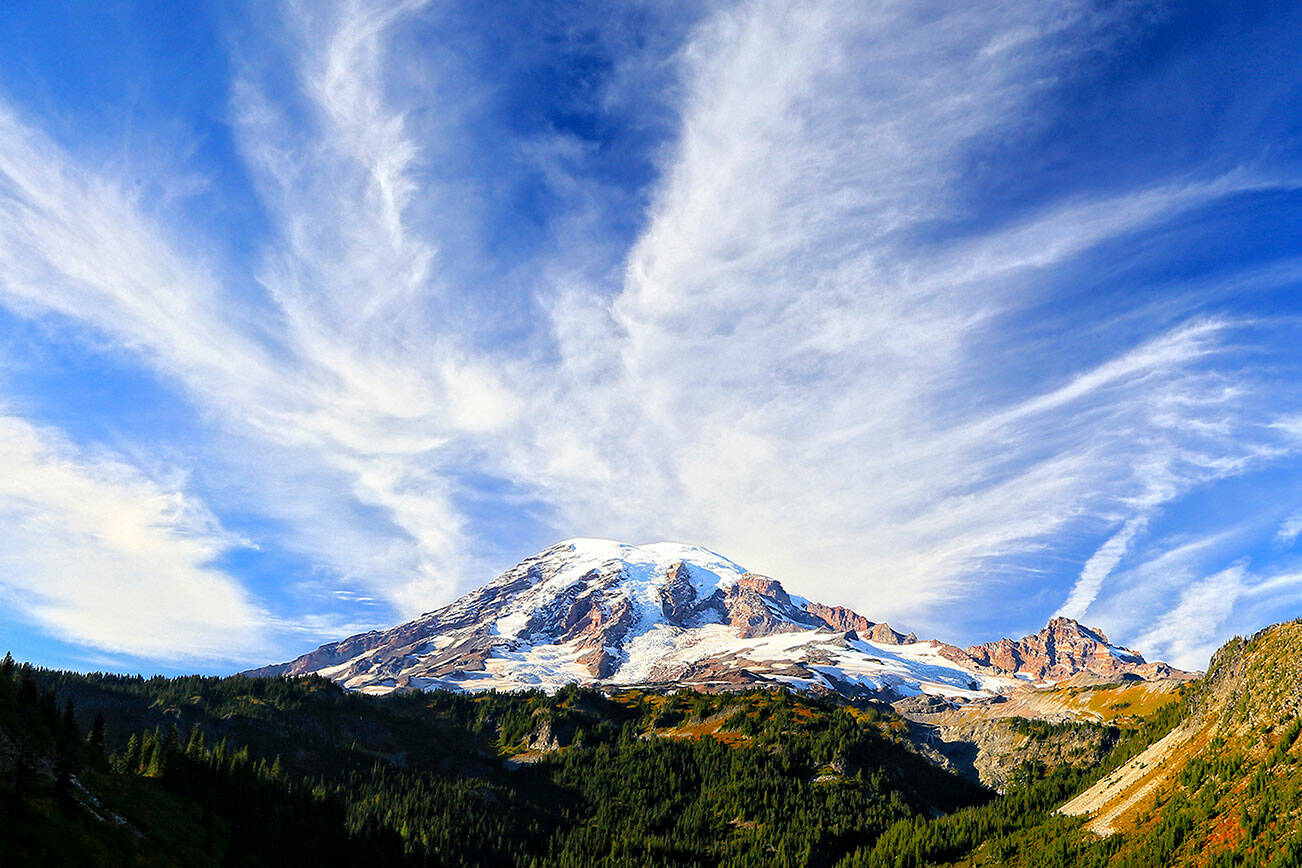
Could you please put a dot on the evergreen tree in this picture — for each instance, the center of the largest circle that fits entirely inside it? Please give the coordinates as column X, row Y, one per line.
column 96, row 735
column 194, row 745
column 28, row 693
column 68, row 723
column 131, row 758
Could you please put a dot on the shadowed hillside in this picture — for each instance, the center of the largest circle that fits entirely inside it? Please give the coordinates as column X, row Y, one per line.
column 274, row 771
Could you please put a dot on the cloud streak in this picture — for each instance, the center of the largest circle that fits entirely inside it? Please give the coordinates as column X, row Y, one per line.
column 788, row 372
column 817, row 353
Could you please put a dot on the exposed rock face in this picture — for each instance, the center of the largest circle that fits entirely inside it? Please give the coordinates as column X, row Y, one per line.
column 992, row 751
column 548, row 734
column 1062, row 649
column 600, row 612
column 758, row 606
column 922, row 705
column 882, row 632
column 844, row 620
column 840, row 618
column 678, row 595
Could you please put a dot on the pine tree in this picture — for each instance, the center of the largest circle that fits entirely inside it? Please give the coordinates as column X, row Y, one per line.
column 96, row 735
column 168, row 751
column 194, row 745
column 131, row 759
column 68, row 723
column 150, row 760
column 28, row 694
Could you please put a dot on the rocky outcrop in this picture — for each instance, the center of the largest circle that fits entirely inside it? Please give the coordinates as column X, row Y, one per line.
column 993, row 751
column 843, row 620
column 678, row 595
column 1061, row 650
column 922, row 705
column 548, row 733
column 748, row 613
column 882, row 632
column 759, row 606
column 840, row 618
column 599, row 662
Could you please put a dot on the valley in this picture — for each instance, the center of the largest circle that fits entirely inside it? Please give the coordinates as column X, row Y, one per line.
column 728, row 723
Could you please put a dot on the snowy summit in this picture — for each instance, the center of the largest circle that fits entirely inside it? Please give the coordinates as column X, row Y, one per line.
column 600, row 612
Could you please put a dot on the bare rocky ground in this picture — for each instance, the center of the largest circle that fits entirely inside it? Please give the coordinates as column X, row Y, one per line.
column 1137, row 782
column 989, row 740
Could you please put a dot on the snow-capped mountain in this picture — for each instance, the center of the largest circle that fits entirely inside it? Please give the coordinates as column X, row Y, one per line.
column 605, row 613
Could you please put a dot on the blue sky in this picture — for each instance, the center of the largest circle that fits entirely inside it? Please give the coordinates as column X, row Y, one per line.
column 316, row 315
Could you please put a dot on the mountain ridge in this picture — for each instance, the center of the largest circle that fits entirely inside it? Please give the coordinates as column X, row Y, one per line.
column 600, row 612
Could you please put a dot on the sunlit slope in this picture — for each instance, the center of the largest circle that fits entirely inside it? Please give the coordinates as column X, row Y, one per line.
column 1225, row 786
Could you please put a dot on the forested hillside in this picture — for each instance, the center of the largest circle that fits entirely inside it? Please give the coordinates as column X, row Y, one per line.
column 249, row 771
column 1222, row 789
column 108, row 769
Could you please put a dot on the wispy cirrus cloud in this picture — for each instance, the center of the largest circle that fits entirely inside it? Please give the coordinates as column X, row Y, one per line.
column 790, row 369
column 324, row 358
column 820, row 349
column 1212, row 607
column 1290, row 530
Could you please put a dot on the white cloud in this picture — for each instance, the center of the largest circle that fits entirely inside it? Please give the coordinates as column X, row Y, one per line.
column 1099, row 566
column 333, row 362
column 1205, row 614
column 1289, row 531
column 1190, row 632
column 787, row 368
column 102, row 556
column 783, row 376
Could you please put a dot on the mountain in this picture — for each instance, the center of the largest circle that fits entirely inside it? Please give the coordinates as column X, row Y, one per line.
column 1228, row 777
column 1063, row 649
column 297, row 771
column 603, row 613
column 1218, row 784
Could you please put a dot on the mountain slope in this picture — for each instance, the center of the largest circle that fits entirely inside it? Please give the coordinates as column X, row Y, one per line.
column 1223, row 787
column 1213, row 780
column 599, row 612
column 289, row 772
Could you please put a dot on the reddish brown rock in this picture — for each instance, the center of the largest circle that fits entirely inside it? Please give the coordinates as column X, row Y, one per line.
column 844, row 620
column 765, row 587
column 599, row 662
column 840, row 619
column 746, row 611
column 1062, row 649
column 749, row 611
